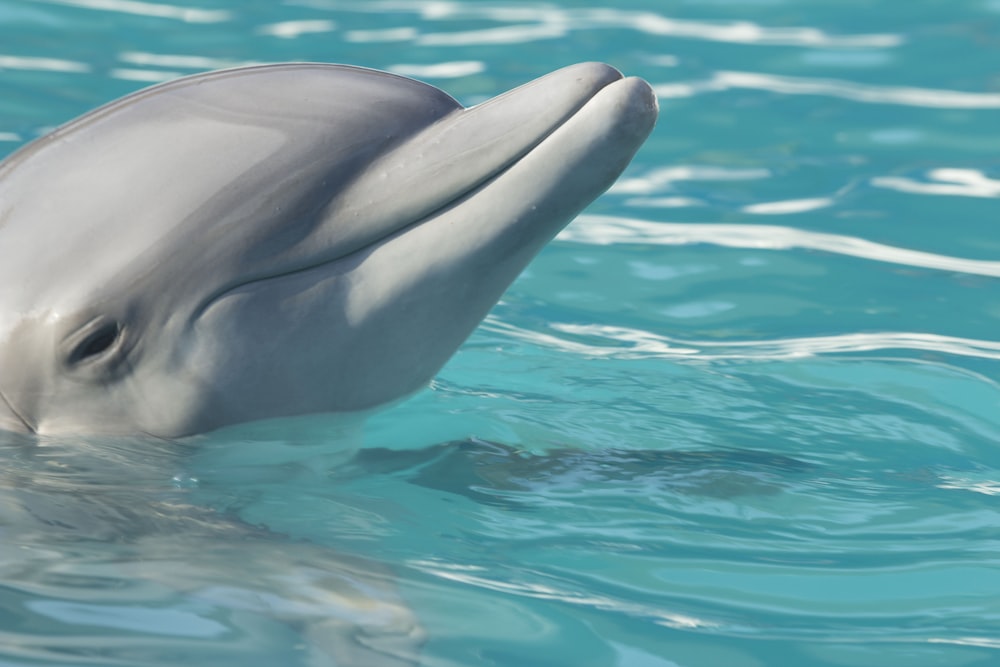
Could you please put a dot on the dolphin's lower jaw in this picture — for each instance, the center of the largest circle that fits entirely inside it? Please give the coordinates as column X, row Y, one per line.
column 356, row 305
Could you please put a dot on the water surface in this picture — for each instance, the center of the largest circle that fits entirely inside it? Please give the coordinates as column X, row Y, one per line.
column 743, row 412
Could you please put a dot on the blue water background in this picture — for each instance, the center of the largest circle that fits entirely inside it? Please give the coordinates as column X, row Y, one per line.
column 743, row 412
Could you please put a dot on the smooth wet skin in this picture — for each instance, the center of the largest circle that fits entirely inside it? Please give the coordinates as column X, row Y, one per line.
column 281, row 240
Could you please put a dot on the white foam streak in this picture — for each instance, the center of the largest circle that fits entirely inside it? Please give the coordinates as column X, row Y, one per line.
column 475, row 576
column 950, row 182
column 144, row 59
column 664, row 202
column 144, row 75
column 607, row 230
column 513, row 34
column 985, row 487
column 155, row 10
column 293, row 29
column 43, row 64
column 627, row 343
column 663, row 178
column 978, row 642
column 857, row 92
column 743, row 32
column 788, row 206
column 542, row 21
column 449, row 70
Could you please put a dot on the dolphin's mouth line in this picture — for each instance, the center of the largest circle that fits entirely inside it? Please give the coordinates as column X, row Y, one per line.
column 10, row 406
column 356, row 251
column 366, row 246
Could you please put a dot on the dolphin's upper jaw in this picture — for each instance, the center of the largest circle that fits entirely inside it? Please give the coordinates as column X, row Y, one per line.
column 547, row 169
column 455, row 155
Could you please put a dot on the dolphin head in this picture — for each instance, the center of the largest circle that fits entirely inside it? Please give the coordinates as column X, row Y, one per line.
column 281, row 240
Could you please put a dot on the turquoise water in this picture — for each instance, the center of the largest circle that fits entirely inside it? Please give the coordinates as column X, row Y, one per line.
column 743, row 412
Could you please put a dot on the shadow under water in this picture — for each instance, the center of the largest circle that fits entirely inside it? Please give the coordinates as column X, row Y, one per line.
column 105, row 560
column 496, row 474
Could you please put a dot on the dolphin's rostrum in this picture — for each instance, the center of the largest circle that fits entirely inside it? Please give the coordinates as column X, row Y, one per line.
column 281, row 240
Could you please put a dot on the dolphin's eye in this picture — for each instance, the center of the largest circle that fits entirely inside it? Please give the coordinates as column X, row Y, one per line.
column 95, row 342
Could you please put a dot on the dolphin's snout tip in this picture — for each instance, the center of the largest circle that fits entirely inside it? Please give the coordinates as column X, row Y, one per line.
column 642, row 94
column 630, row 106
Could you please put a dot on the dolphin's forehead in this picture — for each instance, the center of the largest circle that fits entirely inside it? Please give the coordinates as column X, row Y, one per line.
column 97, row 214
column 144, row 179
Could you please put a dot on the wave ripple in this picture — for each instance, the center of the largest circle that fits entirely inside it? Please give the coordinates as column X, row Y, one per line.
column 608, row 230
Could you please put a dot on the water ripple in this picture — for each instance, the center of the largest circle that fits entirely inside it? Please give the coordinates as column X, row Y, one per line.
column 143, row 75
column 43, row 64
column 447, row 70
column 849, row 90
column 788, row 206
column 608, row 230
column 547, row 21
column 146, row 59
column 512, row 34
column 629, row 343
column 293, row 29
column 479, row 576
column 953, row 182
column 151, row 9
column 981, row 642
column 146, row 67
column 988, row 487
column 404, row 34
column 663, row 178
column 735, row 32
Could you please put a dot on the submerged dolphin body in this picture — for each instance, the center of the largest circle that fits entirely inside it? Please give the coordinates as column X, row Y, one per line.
column 281, row 240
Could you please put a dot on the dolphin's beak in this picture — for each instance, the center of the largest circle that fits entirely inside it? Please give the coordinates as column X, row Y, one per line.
column 459, row 153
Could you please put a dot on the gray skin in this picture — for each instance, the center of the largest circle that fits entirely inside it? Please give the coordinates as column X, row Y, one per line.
column 281, row 240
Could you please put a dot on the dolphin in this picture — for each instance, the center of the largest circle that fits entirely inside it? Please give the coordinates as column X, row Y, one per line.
column 281, row 240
